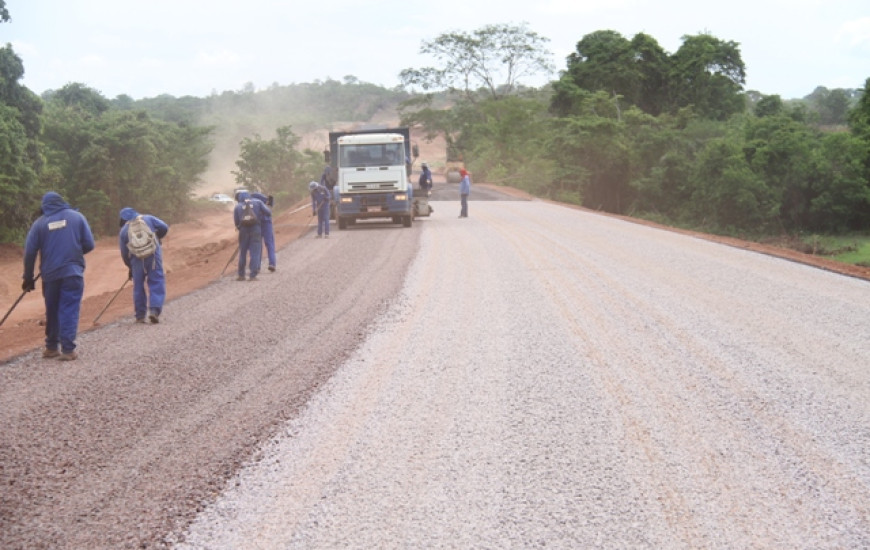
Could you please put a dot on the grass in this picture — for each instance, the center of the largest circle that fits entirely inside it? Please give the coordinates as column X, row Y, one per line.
column 852, row 248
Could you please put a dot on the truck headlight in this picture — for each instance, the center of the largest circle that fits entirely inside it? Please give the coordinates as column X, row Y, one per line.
column 347, row 200
column 401, row 197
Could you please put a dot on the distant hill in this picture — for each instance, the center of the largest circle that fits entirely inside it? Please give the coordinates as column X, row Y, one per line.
column 311, row 109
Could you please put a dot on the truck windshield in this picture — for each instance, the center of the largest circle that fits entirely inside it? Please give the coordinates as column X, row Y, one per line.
column 377, row 154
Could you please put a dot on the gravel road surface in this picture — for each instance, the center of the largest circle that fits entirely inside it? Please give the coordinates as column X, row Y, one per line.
column 532, row 376
column 123, row 446
column 553, row 378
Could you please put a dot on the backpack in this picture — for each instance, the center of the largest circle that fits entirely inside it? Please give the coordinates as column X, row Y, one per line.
column 141, row 241
column 249, row 217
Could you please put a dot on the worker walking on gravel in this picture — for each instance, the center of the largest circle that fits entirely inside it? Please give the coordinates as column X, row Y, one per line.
column 142, row 253
column 268, row 230
column 247, row 215
column 320, row 198
column 61, row 237
column 464, row 191
column 425, row 181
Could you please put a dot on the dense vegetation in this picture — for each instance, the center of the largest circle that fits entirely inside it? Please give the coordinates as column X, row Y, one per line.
column 631, row 129
column 627, row 128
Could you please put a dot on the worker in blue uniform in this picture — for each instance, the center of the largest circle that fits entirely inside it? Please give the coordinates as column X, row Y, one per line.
column 268, row 230
column 61, row 237
column 250, row 236
column 425, row 181
column 320, row 198
column 145, row 270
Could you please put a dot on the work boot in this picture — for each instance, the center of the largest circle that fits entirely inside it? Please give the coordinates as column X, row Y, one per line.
column 271, row 268
column 71, row 356
column 154, row 317
column 240, row 278
column 50, row 353
column 140, row 320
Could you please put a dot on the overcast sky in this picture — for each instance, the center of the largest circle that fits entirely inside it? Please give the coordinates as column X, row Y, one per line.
column 196, row 47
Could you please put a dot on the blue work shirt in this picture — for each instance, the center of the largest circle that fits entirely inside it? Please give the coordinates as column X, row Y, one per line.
column 62, row 237
column 260, row 209
column 158, row 226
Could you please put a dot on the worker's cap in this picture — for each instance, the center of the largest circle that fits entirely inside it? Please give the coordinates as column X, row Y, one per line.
column 312, row 185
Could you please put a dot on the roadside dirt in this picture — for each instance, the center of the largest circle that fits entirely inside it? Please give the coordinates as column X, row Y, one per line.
column 195, row 253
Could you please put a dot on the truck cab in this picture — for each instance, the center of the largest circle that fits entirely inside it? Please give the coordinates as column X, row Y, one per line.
column 371, row 176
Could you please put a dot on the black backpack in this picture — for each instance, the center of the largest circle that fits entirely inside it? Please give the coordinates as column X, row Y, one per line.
column 249, row 216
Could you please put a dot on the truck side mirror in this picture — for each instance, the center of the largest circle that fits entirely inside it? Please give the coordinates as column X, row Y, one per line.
column 415, row 150
column 326, row 156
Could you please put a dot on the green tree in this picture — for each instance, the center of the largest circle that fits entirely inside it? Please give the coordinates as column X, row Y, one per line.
column 81, row 97
column 839, row 184
column 270, row 166
column 634, row 70
column 103, row 159
column 493, row 58
column 769, row 105
column 778, row 150
column 593, row 155
column 832, row 106
column 505, row 144
column 21, row 158
column 708, row 74
column 859, row 116
column 727, row 194
column 603, row 61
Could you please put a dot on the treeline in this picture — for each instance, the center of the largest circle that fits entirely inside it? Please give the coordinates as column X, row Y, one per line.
column 103, row 154
column 627, row 128
column 631, row 129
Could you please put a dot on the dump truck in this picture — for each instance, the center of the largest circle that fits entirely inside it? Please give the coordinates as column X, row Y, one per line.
column 370, row 170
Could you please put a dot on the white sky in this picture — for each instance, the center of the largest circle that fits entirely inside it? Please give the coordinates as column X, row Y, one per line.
column 196, row 47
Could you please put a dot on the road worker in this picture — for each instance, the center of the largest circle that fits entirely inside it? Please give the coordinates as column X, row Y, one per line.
column 268, row 230
column 320, row 198
column 247, row 215
column 146, row 272
column 61, row 236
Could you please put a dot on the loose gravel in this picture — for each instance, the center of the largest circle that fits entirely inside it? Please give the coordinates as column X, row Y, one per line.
column 554, row 378
column 121, row 448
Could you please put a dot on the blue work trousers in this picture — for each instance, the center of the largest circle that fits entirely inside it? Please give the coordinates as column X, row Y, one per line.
column 323, row 219
column 148, row 272
column 250, row 243
column 464, row 202
column 63, row 301
column 269, row 240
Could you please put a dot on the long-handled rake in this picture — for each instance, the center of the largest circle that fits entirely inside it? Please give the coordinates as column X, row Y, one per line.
column 16, row 302
column 111, row 300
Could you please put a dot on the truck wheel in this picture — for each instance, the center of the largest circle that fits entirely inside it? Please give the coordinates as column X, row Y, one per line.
column 407, row 221
column 342, row 223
